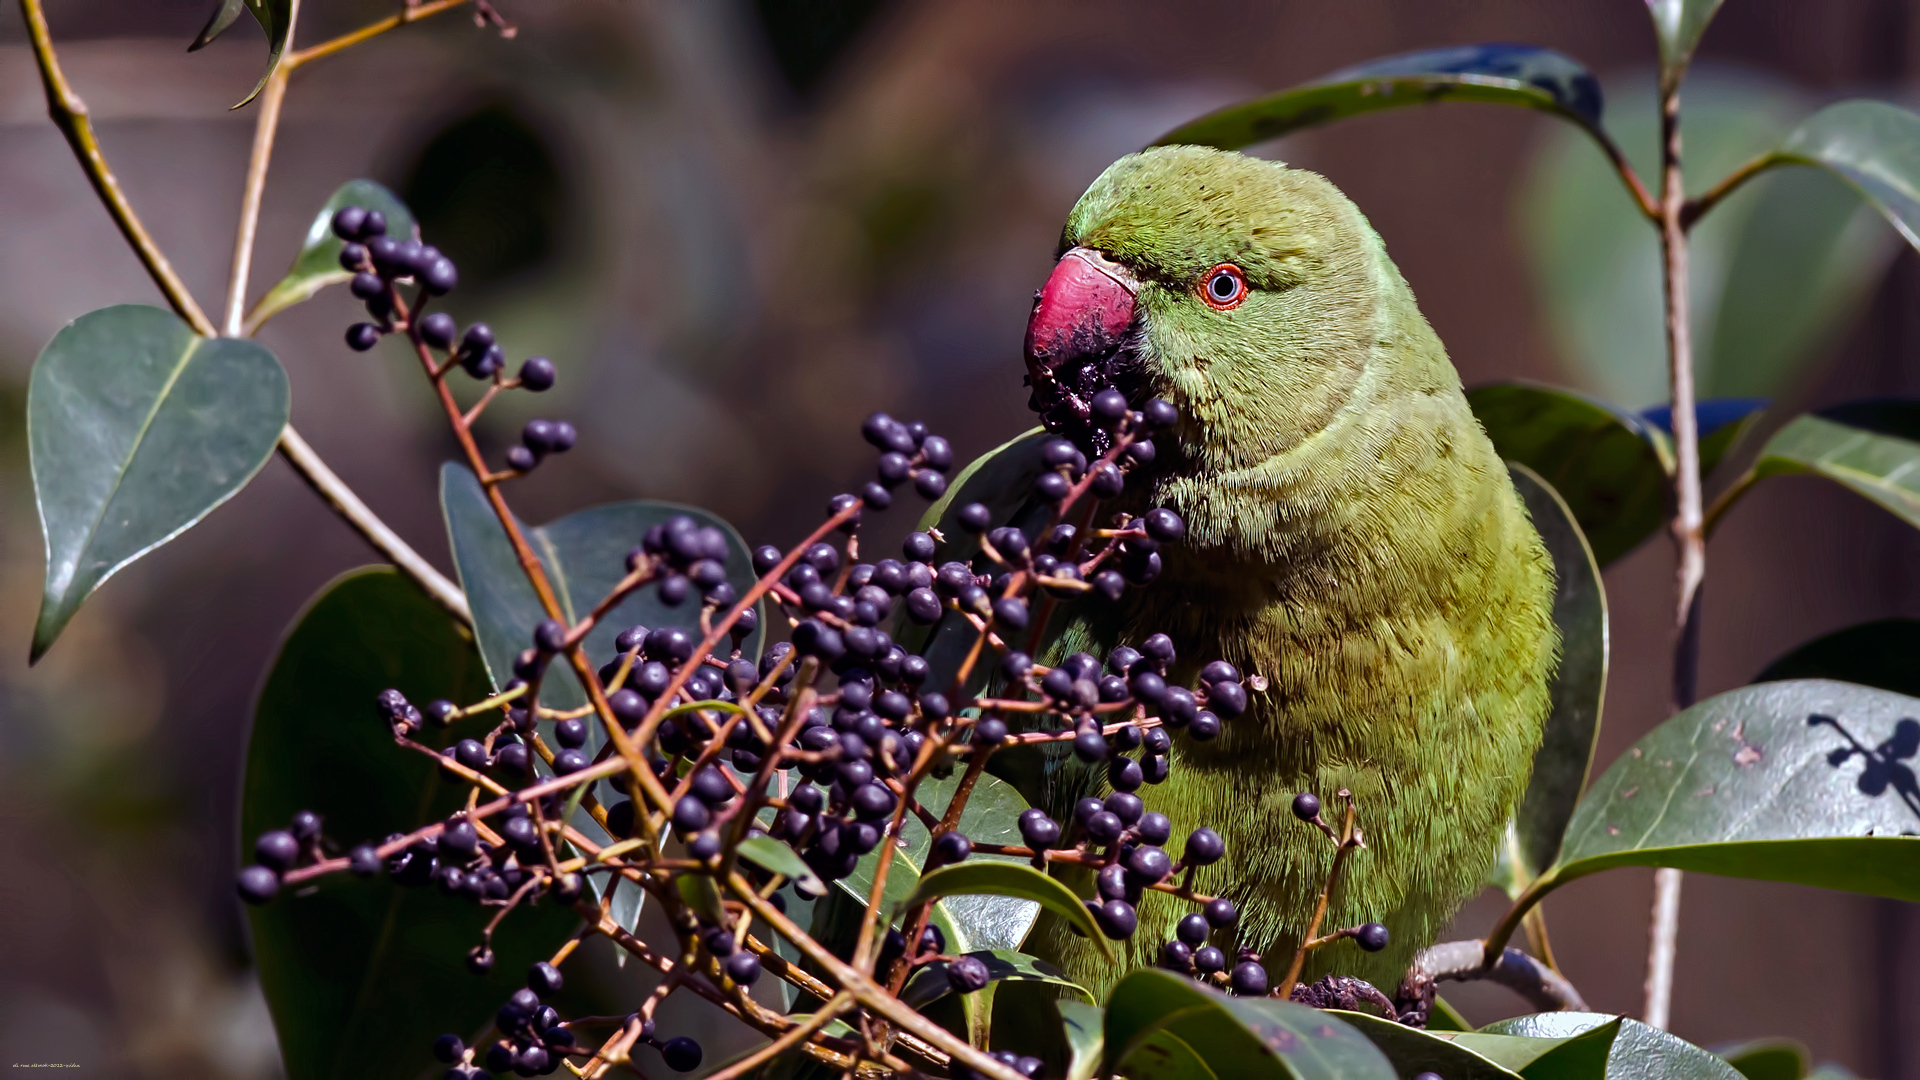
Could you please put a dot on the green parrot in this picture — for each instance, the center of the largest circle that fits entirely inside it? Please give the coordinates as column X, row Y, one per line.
column 1352, row 538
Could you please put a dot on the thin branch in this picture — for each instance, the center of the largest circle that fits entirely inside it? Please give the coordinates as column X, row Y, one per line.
column 70, row 115
column 1697, row 208
column 264, row 130
column 1465, row 961
column 412, row 14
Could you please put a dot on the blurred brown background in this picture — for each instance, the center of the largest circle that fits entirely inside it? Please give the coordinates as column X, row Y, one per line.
column 739, row 226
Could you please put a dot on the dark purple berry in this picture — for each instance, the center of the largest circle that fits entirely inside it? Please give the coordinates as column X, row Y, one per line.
column 1371, row 937
column 1193, row 929
column 531, row 1060
column 1150, row 864
column 276, row 848
column 1104, row 827
column 1249, row 979
column 1010, row 612
column 571, row 733
column 366, row 286
column 1090, row 746
column 1110, row 584
column 875, row 495
column 690, row 815
column 929, row 484
column 1205, row 726
column 681, row 1054
column 704, row 845
column 1227, row 699
column 347, row 223
column 1204, row 847
column 364, row 861
column 567, row 762
column 521, row 459
column 1052, row 487
column 362, row 336
column 1207, row 960
column 1117, row 919
column 1306, row 806
column 1164, row 525
column 967, row 974
column 258, row 884
column 1160, row 413
column 743, row 968
column 1107, row 481
column 1219, row 671
column 950, row 848
column 439, row 276
column 710, row 786
column 1221, row 913
column 437, row 329
column 975, row 518
column 815, row 638
column 989, row 731
column 1038, row 830
column 1109, row 407
column 1176, row 956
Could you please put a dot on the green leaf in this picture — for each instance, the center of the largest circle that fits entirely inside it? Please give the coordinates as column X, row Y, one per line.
column 1011, row 879
column 361, row 975
column 1579, row 686
column 1678, row 24
column 1878, row 654
column 1767, row 1059
column 1227, row 1036
column 1778, row 269
column 318, row 263
column 700, row 893
column 137, row 428
column 779, row 858
column 1869, row 447
column 275, row 18
column 1413, row 1051
column 585, row 556
column 1083, row 1026
column 1445, row 1017
column 992, row 816
column 1873, row 146
column 929, row 983
column 1638, row 1052
column 1609, row 466
column 1523, row 75
column 1806, row 781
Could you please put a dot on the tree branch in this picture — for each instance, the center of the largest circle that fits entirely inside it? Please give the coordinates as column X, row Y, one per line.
column 1464, row 961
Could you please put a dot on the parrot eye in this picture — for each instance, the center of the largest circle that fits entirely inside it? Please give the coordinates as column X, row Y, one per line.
column 1225, row 287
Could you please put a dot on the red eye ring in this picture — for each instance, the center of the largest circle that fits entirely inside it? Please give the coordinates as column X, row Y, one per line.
column 1223, row 287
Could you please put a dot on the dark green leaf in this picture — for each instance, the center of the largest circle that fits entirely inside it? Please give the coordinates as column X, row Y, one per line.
column 1678, row 24
column 1808, row 781
column 991, row 817
column 1767, row 1059
column 275, row 18
column 1523, row 75
column 1233, row 1037
column 1413, row 1051
column 1879, row 653
column 703, row 896
column 1603, row 462
column 318, row 264
column 1561, row 764
column 137, row 428
column 1720, row 423
column 1011, row 879
column 779, row 858
column 1871, row 447
column 585, row 556
column 1638, row 1051
column 361, row 975
column 1445, row 1017
column 929, row 983
column 1778, row 269
column 1082, row 1025
column 1871, row 145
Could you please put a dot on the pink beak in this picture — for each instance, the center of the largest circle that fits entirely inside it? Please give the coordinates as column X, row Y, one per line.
column 1081, row 312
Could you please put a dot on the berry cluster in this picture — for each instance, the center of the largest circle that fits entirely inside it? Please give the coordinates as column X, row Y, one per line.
column 819, row 742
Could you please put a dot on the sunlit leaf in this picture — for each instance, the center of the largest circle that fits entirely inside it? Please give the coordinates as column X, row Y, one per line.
column 1523, row 75
column 773, row 855
column 1869, row 447
column 1008, row 879
column 1414, row 1051
column 137, row 428
column 362, row 975
column 1228, row 1036
column 318, row 263
column 1638, row 1052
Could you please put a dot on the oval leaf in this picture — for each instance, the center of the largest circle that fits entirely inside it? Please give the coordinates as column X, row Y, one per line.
column 1010, row 879
column 781, row 859
column 318, row 264
column 137, row 428
column 1878, row 653
column 1414, row 1051
column 361, row 975
column 1523, row 75
column 930, row 984
column 1871, row 145
column 1678, row 24
column 585, row 556
column 1870, row 447
column 1579, row 685
column 1082, row 1025
column 275, row 18
column 1637, row 1051
column 1807, row 781
column 1229, row 1036
column 1767, row 1059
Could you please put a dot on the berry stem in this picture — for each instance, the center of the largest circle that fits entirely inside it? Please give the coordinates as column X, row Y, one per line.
column 1349, row 840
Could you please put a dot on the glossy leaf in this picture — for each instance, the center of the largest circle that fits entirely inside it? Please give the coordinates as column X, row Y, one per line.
column 1638, row 1052
column 1879, row 654
column 1778, row 269
column 1522, row 75
column 275, row 18
column 318, row 263
column 930, row 983
column 1869, row 447
column 1445, row 1017
column 1806, row 781
column 137, row 428
column 361, row 975
column 585, row 556
column 1579, row 685
column 1083, row 1027
column 1009, row 879
column 1414, row 1051
column 1677, row 25
column 1871, row 145
column 773, row 855
column 1767, row 1059
column 1609, row 466
column 1229, row 1036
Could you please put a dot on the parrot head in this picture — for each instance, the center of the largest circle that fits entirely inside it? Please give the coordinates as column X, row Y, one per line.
column 1243, row 291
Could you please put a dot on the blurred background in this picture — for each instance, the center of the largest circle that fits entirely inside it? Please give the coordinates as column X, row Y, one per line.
column 740, row 225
